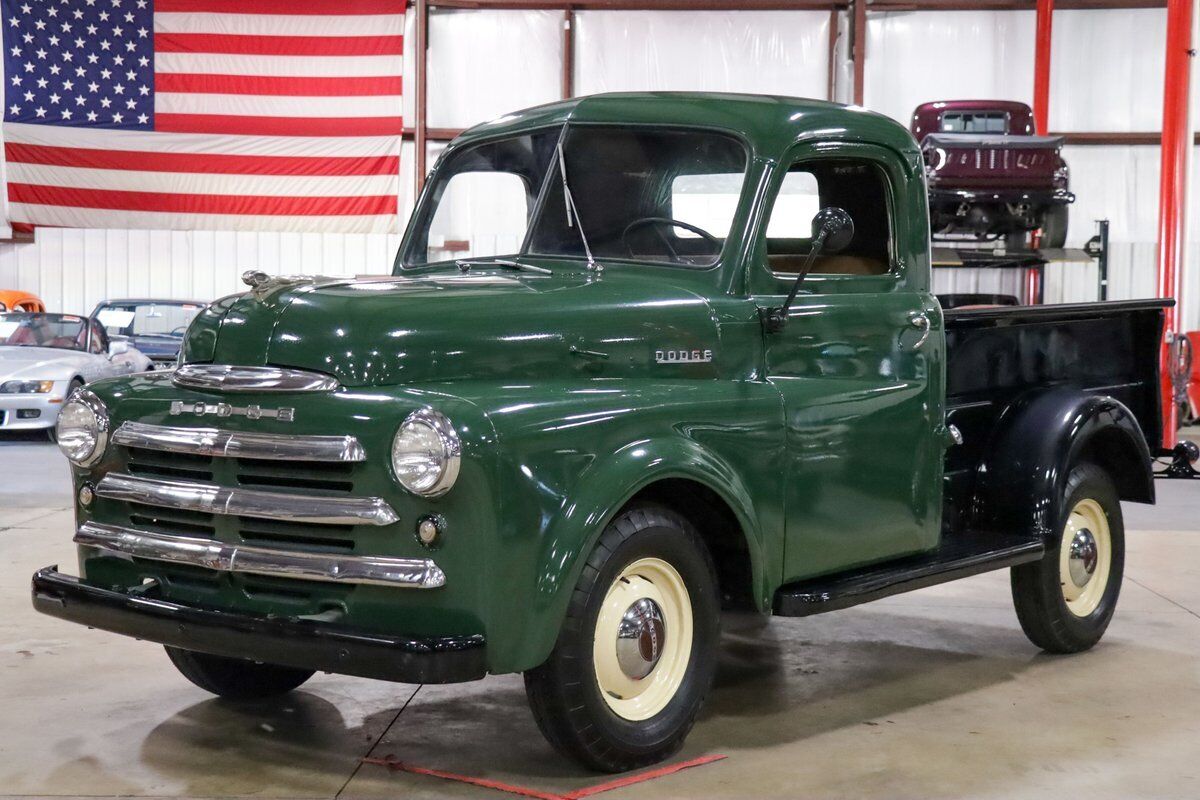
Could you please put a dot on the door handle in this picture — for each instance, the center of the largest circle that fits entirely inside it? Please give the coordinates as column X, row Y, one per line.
column 920, row 321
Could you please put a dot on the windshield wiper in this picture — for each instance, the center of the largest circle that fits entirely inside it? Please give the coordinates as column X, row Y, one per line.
column 573, row 220
column 465, row 265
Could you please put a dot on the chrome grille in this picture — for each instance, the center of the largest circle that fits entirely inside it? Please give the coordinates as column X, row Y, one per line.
column 278, row 507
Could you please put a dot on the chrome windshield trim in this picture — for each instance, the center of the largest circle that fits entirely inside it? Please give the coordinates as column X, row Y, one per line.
column 213, row 499
column 414, row 573
column 228, row 378
column 237, row 444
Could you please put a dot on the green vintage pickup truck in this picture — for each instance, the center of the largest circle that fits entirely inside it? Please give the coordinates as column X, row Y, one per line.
column 688, row 362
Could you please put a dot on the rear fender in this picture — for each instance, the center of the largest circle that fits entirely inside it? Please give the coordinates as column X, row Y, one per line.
column 1040, row 436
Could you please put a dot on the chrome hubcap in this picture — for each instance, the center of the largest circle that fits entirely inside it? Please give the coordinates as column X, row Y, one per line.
column 1083, row 557
column 641, row 638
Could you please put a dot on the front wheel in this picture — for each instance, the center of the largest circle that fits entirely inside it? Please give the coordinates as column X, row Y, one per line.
column 636, row 654
column 236, row 678
column 1066, row 600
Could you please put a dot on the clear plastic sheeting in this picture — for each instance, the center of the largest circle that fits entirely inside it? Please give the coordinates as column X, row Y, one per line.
column 914, row 57
column 762, row 52
column 1107, row 70
column 483, row 64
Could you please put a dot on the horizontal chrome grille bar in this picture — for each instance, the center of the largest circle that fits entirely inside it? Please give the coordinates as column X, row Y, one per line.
column 214, row 499
column 415, row 573
column 237, row 444
column 227, row 378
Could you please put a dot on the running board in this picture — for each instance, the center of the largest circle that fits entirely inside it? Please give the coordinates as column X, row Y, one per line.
column 959, row 557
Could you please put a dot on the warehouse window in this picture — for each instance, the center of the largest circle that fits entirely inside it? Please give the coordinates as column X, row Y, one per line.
column 857, row 186
column 975, row 122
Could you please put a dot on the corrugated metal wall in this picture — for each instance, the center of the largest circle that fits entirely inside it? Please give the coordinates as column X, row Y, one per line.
column 485, row 62
column 73, row 270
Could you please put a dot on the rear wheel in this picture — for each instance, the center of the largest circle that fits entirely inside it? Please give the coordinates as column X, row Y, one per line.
column 1054, row 227
column 636, row 654
column 236, row 678
column 1066, row 600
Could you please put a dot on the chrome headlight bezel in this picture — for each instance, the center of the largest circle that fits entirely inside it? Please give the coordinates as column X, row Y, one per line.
column 99, row 428
column 449, row 458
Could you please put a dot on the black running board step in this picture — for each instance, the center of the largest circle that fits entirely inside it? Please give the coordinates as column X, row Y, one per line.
column 960, row 557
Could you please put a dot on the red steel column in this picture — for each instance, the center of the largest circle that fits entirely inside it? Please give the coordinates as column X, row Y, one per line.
column 858, row 29
column 1173, row 187
column 1041, row 114
column 421, row 128
column 1041, row 66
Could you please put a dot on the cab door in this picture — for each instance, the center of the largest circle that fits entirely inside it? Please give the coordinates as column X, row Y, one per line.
column 858, row 363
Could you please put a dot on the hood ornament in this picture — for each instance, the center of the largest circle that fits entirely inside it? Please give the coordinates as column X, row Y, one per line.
column 261, row 284
column 255, row 278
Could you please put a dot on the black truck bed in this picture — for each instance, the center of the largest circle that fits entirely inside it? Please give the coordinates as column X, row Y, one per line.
column 993, row 355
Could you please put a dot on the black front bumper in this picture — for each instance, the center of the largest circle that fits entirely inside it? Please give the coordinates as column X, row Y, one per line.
column 303, row 643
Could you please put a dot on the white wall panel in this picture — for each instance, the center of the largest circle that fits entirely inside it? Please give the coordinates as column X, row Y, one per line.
column 1107, row 70
column 914, row 57
column 486, row 63
column 764, row 52
column 73, row 270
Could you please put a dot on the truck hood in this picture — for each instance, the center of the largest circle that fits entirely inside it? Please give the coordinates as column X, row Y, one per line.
column 379, row 331
column 39, row 363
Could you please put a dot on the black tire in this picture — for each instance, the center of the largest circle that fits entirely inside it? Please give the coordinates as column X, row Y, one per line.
column 236, row 678
column 1038, row 589
column 1054, row 227
column 1017, row 240
column 564, row 693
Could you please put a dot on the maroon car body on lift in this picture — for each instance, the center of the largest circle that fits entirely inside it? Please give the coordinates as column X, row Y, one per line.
column 989, row 175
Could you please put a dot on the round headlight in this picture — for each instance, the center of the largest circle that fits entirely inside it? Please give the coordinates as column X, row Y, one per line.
column 82, row 428
column 426, row 453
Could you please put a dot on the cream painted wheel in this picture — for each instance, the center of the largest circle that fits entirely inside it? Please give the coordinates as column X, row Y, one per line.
column 1085, row 557
column 643, row 639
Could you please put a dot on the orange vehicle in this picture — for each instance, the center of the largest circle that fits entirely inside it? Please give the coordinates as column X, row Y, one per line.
column 16, row 300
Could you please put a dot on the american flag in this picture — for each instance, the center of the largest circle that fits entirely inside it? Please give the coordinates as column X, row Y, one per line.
column 203, row 114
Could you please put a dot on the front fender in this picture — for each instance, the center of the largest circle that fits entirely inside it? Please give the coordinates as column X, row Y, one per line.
column 604, row 490
column 1039, row 437
column 570, row 459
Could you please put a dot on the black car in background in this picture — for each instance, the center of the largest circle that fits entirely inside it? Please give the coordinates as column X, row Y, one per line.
column 153, row 326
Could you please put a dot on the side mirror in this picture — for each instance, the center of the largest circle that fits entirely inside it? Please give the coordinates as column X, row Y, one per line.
column 117, row 347
column 832, row 232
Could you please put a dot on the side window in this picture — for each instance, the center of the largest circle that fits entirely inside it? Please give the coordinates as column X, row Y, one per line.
column 857, row 186
column 480, row 214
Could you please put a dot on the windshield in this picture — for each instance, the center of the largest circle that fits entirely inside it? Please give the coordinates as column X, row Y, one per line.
column 165, row 320
column 43, row 330
column 646, row 194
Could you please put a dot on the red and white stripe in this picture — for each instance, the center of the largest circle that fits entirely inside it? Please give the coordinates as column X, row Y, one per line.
column 271, row 115
column 276, row 68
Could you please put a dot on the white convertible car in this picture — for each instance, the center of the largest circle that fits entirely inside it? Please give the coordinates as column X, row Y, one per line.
column 45, row 357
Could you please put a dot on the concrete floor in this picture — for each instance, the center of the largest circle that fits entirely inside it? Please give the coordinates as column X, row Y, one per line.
column 934, row 694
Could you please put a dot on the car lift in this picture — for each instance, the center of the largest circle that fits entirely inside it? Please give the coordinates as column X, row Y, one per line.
column 1032, row 262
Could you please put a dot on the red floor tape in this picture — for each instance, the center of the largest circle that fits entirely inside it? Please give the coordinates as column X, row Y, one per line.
column 524, row 791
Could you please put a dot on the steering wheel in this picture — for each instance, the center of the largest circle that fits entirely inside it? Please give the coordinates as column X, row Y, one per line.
column 673, row 223
column 182, row 329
